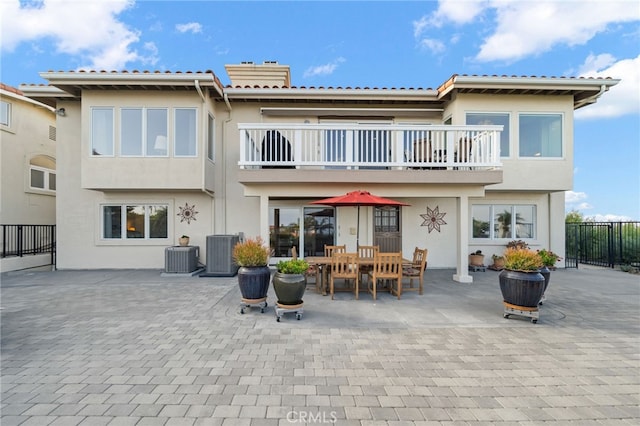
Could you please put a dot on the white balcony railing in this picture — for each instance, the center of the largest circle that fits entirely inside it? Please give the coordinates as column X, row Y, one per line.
column 353, row 146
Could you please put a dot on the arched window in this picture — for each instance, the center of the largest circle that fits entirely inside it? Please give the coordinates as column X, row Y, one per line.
column 42, row 173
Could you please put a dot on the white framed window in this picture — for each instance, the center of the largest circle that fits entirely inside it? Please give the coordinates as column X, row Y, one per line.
column 5, row 113
column 42, row 173
column 211, row 147
column 143, row 132
column 493, row 118
column 540, row 135
column 134, row 221
column 503, row 221
column 186, row 128
column 102, row 131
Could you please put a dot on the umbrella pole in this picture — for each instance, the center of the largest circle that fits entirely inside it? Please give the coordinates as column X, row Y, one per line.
column 358, row 230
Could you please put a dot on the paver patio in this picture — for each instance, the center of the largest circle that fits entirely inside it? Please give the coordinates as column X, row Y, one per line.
column 130, row 347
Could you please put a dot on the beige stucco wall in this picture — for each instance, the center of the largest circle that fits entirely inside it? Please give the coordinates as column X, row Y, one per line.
column 25, row 138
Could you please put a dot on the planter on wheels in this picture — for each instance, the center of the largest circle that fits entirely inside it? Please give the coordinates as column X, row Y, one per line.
column 521, row 293
column 289, row 288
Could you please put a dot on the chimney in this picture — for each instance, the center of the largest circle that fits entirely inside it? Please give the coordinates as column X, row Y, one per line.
column 267, row 74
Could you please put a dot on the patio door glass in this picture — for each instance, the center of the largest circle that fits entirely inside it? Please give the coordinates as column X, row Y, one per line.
column 319, row 224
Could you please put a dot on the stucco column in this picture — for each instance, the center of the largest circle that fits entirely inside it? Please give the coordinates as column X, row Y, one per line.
column 557, row 243
column 264, row 218
column 462, row 242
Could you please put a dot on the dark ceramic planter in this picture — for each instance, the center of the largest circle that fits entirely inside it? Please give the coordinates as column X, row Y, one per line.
column 546, row 273
column 254, row 281
column 289, row 288
column 521, row 288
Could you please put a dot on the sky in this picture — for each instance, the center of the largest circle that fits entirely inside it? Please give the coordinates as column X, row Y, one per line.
column 410, row 44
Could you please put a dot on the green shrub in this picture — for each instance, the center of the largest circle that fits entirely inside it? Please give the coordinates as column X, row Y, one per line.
column 293, row 266
column 251, row 252
column 522, row 260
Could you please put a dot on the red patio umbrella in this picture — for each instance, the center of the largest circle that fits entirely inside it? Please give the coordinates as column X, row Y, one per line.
column 357, row 199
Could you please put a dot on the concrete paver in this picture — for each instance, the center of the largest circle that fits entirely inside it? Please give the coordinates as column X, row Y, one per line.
column 132, row 347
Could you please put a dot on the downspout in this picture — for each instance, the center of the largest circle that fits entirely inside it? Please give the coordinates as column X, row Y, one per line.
column 224, row 162
column 591, row 99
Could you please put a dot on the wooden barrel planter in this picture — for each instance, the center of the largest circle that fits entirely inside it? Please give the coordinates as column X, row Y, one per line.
column 523, row 289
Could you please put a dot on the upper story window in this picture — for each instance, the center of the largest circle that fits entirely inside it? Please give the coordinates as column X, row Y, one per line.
column 5, row 113
column 503, row 221
column 211, row 137
column 42, row 173
column 540, row 135
column 493, row 118
column 102, row 131
column 144, row 132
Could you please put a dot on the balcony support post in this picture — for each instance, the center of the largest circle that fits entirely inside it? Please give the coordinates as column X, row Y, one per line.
column 462, row 243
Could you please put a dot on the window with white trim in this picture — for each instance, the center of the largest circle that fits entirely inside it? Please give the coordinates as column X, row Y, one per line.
column 143, row 132
column 134, row 221
column 503, row 221
column 493, row 118
column 186, row 128
column 5, row 113
column 102, row 131
column 540, row 135
column 42, row 173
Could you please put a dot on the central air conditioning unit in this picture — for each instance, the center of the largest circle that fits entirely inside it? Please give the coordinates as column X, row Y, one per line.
column 220, row 256
column 182, row 260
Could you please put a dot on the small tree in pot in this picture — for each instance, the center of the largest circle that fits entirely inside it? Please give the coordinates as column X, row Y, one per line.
column 252, row 256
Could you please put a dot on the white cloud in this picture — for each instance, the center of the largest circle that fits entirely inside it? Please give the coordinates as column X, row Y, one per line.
column 192, row 27
column 574, row 197
column 528, row 28
column 433, row 45
column 608, row 218
column 623, row 98
column 88, row 29
column 325, row 69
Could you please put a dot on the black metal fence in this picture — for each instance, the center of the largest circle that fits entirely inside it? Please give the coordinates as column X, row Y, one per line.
column 603, row 244
column 21, row 240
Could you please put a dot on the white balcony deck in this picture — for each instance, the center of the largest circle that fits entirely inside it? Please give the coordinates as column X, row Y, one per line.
column 357, row 147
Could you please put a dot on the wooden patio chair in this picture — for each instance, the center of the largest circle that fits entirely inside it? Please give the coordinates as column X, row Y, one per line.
column 344, row 266
column 386, row 266
column 414, row 270
column 367, row 252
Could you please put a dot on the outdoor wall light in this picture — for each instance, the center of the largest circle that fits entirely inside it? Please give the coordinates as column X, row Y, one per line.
column 61, row 112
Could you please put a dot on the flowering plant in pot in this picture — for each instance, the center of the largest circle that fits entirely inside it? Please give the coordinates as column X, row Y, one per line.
column 521, row 283
column 252, row 257
column 290, row 281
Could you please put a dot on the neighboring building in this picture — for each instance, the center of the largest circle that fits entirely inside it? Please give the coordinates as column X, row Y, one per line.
column 28, row 161
column 148, row 156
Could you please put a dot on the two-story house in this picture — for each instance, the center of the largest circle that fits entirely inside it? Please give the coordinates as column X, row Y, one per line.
column 144, row 157
column 28, row 183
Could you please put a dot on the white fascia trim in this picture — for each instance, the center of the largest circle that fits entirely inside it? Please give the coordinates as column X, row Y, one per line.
column 7, row 94
column 303, row 111
column 541, row 82
column 413, row 94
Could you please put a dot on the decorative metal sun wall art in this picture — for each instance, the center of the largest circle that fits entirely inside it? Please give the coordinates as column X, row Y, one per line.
column 433, row 219
column 187, row 213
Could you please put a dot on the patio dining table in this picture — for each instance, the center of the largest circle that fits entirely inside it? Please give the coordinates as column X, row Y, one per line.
column 324, row 262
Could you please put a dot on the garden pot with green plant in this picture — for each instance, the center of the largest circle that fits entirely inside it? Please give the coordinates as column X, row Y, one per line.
column 252, row 257
column 290, row 281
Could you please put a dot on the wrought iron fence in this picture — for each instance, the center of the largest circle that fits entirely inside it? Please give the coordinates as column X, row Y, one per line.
column 21, row 240
column 603, row 243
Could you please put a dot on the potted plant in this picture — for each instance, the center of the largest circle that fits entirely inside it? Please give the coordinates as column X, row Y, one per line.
column 252, row 257
column 290, row 281
column 476, row 258
column 183, row 240
column 498, row 262
column 549, row 260
column 521, row 283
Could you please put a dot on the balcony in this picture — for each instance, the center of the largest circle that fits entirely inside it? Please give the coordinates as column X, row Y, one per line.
column 386, row 153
